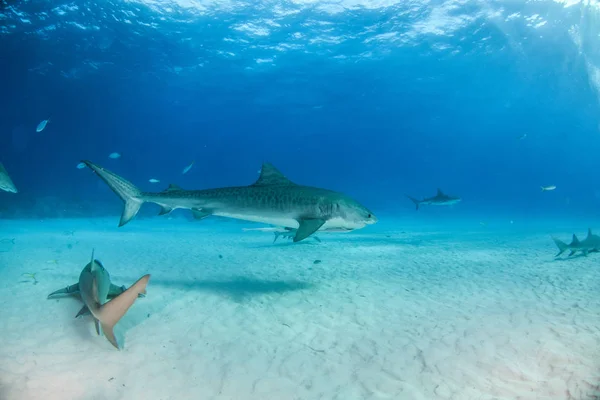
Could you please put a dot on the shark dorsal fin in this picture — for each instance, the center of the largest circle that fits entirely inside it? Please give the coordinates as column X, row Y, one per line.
column 439, row 192
column 589, row 233
column 575, row 240
column 92, row 260
column 270, row 176
column 172, row 187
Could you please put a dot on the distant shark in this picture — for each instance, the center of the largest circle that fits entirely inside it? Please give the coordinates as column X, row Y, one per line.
column 106, row 302
column 6, row 183
column 272, row 199
column 440, row 199
column 590, row 244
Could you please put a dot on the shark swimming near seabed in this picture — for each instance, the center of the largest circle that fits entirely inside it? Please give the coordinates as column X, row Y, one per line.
column 106, row 302
column 440, row 199
column 591, row 244
column 272, row 199
column 6, row 183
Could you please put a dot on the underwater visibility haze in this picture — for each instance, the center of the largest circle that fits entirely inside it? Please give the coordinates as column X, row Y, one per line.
column 304, row 199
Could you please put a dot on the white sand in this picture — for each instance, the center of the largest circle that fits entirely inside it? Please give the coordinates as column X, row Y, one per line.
column 416, row 315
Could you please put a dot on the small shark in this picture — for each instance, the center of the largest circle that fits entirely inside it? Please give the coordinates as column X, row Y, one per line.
column 272, row 199
column 591, row 244
column 106, row 302
column 440, row 199
column 6, row 183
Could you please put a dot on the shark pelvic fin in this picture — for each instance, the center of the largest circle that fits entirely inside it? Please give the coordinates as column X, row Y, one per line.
column 307, row 227
column 131, row 195
column 200, row 214
column 270, row 176
column 111, row 312
column 84, row 310
column 165, row 210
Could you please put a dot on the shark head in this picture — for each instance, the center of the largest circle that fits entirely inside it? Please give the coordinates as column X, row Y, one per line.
column 354, row 215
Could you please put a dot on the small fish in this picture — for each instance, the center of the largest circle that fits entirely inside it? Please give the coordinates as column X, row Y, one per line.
column 80, row 165
column 152, row 180
column 548, row 188
column 187, row 169
column 523, row 136
column 114, row 155
column 42, row 125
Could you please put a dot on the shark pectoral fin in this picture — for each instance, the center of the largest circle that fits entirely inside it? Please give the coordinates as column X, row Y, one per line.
column 68, row 290
column 165, row 210
column 200, row 214
column 110, row 313
column 317, row 239
column 115, row 290
column 307, row 227
column 572, row 252
column 84, row 311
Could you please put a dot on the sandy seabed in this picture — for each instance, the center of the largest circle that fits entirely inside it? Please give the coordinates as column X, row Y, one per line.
column 387, row 313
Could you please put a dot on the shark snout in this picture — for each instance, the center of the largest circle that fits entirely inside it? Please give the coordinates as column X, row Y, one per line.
column 371, row 219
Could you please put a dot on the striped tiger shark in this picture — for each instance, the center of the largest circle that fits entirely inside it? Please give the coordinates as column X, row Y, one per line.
column 273, row 199
column 106, row 302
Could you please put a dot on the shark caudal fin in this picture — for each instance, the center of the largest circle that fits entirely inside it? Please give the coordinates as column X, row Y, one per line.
column 111, row 312
column 131, row 195
column 416, row 201
column 562, row 246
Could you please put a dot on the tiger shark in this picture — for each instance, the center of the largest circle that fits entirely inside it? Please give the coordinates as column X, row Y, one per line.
column 273, row 199
column 6, row 183
column 106, row 302
column 590, row 244
column 440, row 199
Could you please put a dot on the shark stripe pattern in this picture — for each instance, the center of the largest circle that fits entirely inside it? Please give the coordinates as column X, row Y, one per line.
column 272, row 199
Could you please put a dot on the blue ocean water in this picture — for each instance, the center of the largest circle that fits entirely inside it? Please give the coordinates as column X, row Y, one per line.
column 486, row 100
column 378, row 99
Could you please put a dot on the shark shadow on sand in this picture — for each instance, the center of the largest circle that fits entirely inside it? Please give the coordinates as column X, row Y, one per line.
column 238, row 288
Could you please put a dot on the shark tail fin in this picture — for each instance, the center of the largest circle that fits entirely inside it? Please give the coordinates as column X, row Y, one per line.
column 416, row 201
column 131, row 195
column 113, row 311
column 562, row 246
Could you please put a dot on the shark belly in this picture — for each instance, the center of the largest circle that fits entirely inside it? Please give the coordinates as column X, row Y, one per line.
column 277, row 220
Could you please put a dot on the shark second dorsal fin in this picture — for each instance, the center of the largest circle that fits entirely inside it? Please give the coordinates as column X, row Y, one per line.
column 172, row 187
column 575, row 240
column 270, row 176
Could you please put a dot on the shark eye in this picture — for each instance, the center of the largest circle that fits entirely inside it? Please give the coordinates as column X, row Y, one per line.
column 368, row 215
